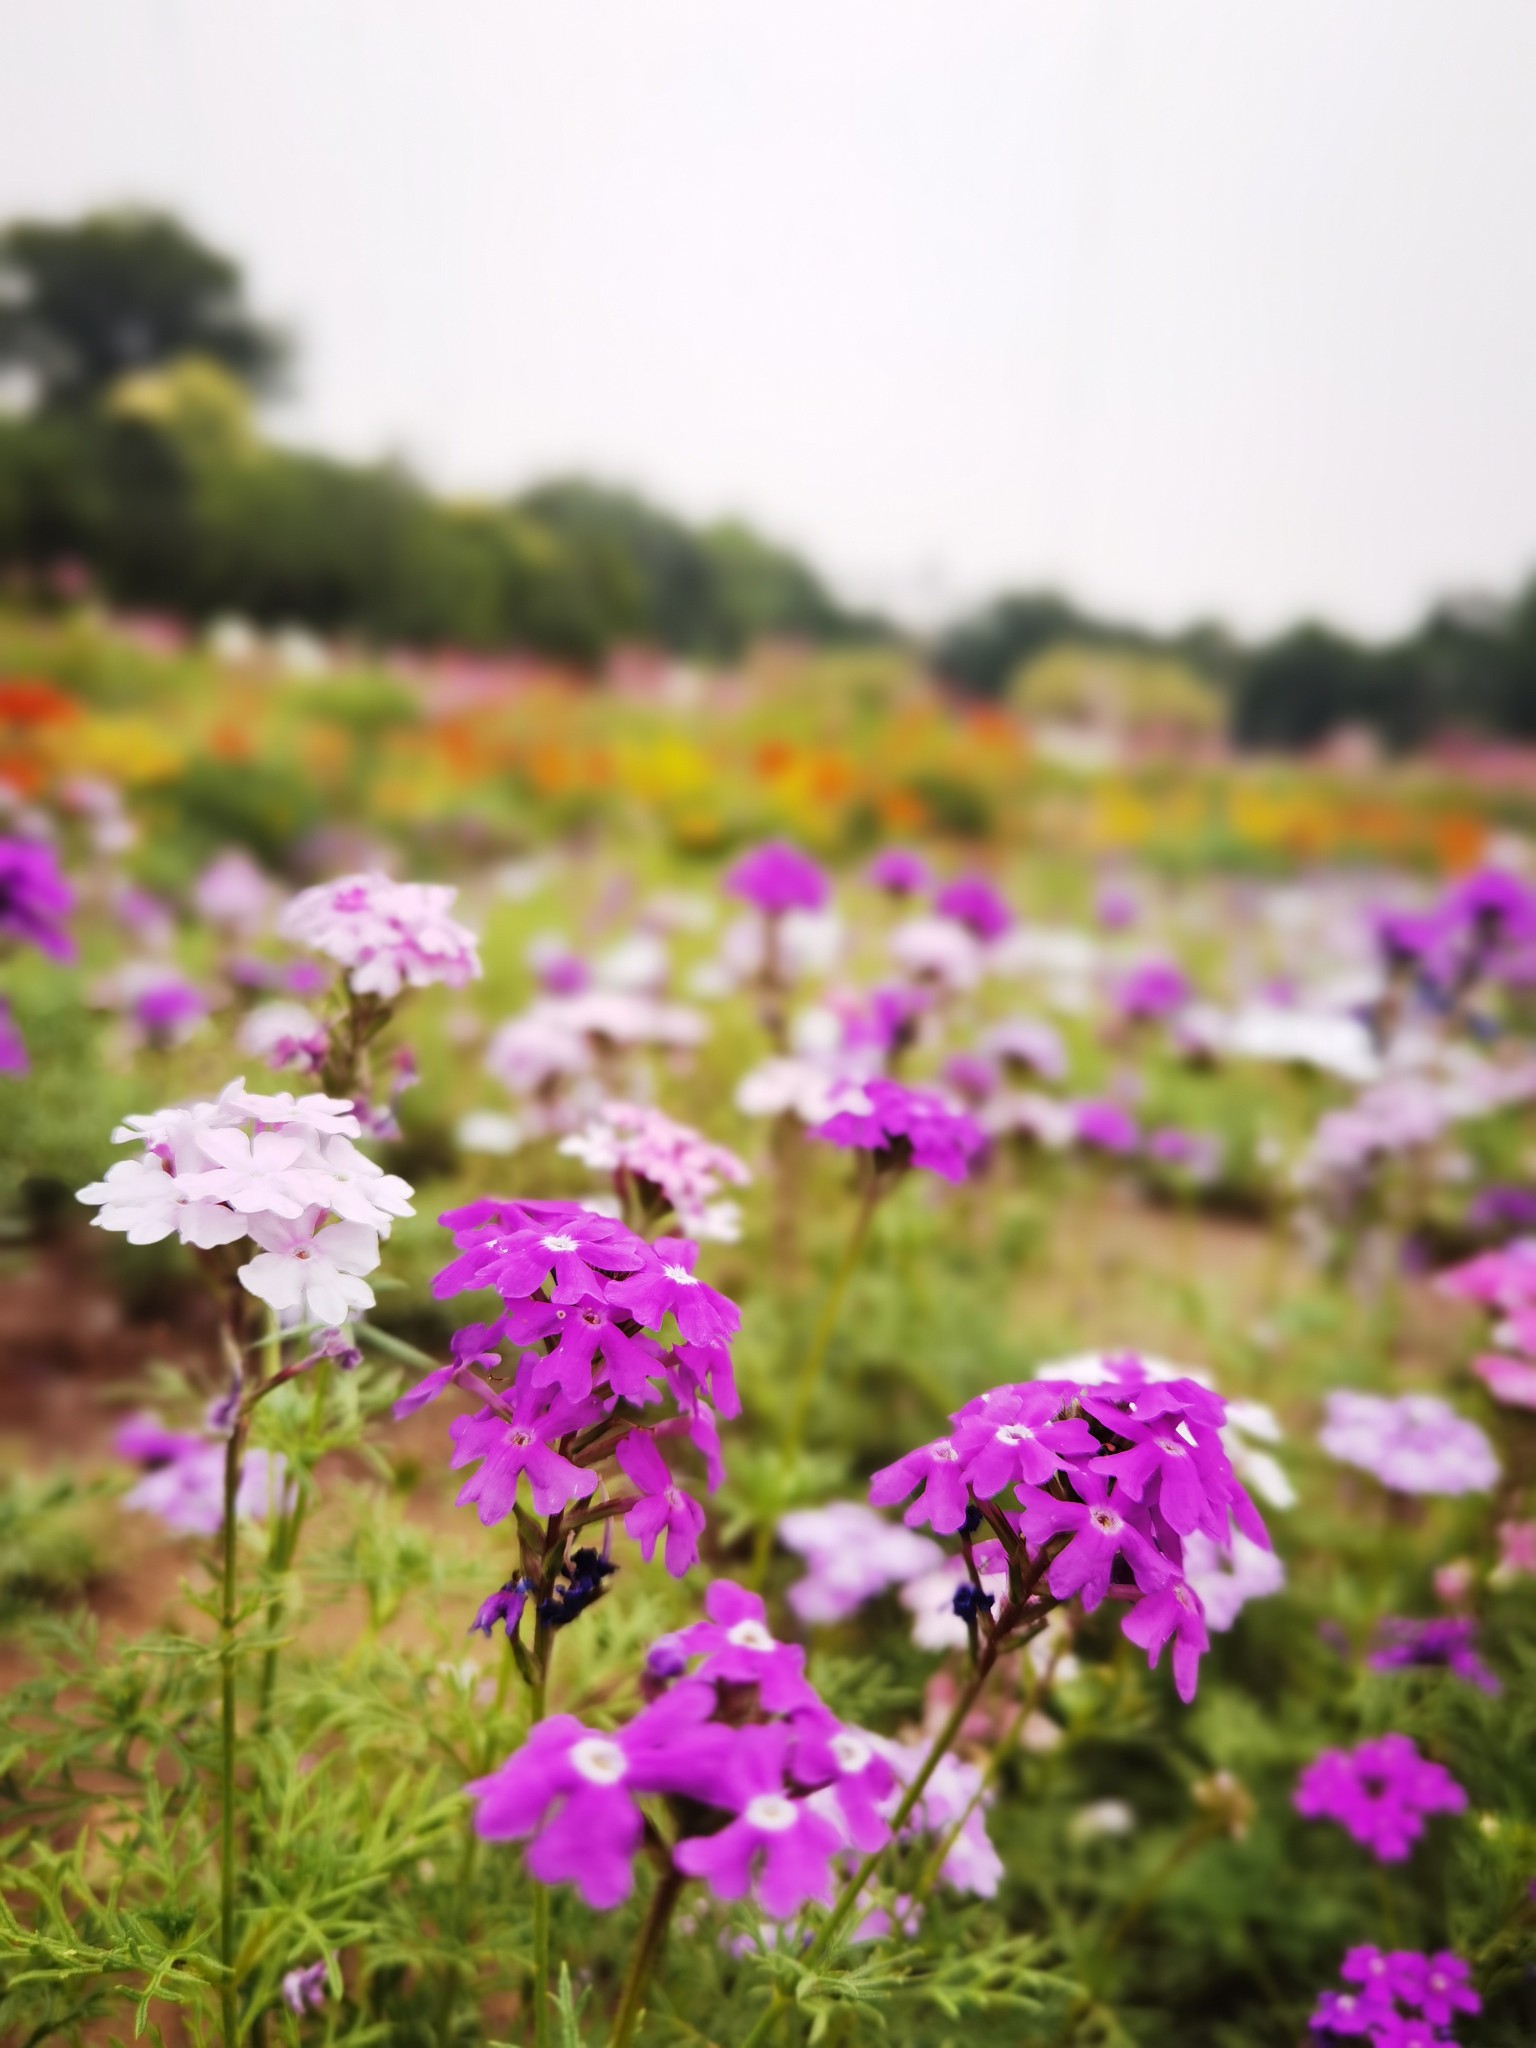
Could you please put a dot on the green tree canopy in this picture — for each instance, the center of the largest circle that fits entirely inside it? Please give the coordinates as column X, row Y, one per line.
column 83, row 303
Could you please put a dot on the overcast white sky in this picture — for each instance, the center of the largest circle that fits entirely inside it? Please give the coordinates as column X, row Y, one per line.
column 1216, row 307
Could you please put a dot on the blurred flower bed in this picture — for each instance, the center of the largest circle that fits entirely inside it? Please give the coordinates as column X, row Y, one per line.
column 985, row 1308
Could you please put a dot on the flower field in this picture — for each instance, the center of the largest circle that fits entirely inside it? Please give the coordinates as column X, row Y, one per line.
column 737, row 1360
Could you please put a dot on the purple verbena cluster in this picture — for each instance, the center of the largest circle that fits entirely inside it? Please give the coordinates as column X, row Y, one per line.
column 766, row 1789
column 1397, row 1998
column 1086, row 1490
column 586, row 1306
column 1381, row 1793
column 388, row 936
column 898, row 1127
column 1447, row 1642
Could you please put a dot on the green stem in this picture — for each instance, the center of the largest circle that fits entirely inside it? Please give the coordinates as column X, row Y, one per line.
column 543, row 1644
column 816, row 1352
column 647, row 1949
column 848, row 1898
column 228, row 1991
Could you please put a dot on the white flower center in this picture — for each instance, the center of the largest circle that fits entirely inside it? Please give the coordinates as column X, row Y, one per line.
column 947, row 1452
column 1015, row 1433
column 750, row 1635
column 1168, row 1447
column 771, row 1812
column 851, row 1752
column 598, row 1760
column 680, row 1276
column 1436, row 1981
column 559, row 1243
column 1184, row 1597
column 1105, row 1519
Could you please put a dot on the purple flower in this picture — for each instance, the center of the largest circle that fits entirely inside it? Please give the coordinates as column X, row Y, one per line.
column 573, row 1790
column 184, row 1483
column 849, row 1770
column 777, row 878
column 1116, row 906
column 667, row 1283
column 505, row 1605
column 1149, row 993
column 13, row 1047
column 899, row 872
column 783, row 1841
column 1448, row 1640
column 304, row 1990
column 1398, row 1999
column 739, row 1650
column 169, row 1009
column 1102, row 1532
column 1105, row 1126
column 1027, row 1047
column 973, row 902
column 1018, row 1436
column 548, row 1242
column 662, row 1509
column 1173, row 1466
column 34, row 898
column 934, row 1471
column 1380, row 1793
column 515, row 1442
column 972, row 1076
column 903, row 1127
column 1174, row 1611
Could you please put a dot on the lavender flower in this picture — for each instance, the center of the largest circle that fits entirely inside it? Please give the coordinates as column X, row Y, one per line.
column 851, row 1554
column 1380, row 1793
column 1415, row 1443
column 671, row 1167
column 183, row 1484
column 1104, row 1126
column 1152, row 992
column 304, row 1990
column 387, row 936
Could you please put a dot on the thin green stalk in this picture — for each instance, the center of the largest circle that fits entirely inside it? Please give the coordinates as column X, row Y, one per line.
column 816, row 1351
column 543, row 1644
column 648, row 1948
column 848, row 1898
column 228, row 1991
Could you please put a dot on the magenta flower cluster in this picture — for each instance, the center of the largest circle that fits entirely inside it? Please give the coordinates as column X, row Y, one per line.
column 1398, row 1998
column 777, row 878
column 900, row 1127
column 769, row 1788
column 1380, row 1793
column 1087, row 1490
column 585, row 1304
column 1446, row 1641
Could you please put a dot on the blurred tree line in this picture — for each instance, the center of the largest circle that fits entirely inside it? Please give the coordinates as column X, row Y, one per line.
column 136, row 452
column 1467, row 667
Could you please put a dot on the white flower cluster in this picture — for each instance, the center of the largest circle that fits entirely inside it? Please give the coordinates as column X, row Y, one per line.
column 280, row 1170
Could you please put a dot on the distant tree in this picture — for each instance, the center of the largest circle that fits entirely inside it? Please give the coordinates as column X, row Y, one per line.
column 83, row 303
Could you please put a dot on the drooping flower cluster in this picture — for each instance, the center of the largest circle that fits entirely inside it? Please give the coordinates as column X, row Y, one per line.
column 1413, row 1443
column 279, row 1170
column 388, row 936
column 1398, row 1998
column 586, row 1305
column 743, row 1738
column 1087, row 1489
column 664, row 1167
column 900, row 1127
column 1381, row 1793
